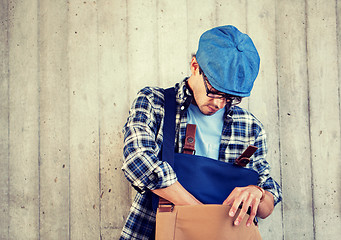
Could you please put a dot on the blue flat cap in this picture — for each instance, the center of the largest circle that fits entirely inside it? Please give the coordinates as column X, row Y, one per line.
column 229, row 59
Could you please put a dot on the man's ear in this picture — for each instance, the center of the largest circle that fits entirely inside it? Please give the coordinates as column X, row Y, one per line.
column 194, row 66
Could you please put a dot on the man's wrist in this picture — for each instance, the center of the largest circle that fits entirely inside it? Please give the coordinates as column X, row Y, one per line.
column 262, row 191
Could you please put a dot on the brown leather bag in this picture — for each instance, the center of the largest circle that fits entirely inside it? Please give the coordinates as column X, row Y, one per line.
column 201, row 222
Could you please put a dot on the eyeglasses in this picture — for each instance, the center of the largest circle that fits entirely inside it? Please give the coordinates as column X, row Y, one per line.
column 234, row 100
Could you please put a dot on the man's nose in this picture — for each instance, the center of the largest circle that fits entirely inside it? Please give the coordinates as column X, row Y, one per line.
column 219, row 102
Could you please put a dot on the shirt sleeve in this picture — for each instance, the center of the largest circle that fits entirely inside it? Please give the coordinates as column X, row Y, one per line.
column 265, row 180
column 142, row 143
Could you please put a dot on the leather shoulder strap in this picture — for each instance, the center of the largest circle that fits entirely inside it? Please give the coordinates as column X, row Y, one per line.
column 169, row 126
column 189, row 147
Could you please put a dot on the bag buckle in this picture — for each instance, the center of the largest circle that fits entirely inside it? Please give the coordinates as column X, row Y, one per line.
column 165, row 205
column 166, row 208
column 244, row 159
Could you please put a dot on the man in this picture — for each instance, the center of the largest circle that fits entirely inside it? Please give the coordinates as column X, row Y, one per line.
column 222, row 72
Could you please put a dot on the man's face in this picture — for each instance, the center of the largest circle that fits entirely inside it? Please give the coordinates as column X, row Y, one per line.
column 207, row 105
column 208, row 99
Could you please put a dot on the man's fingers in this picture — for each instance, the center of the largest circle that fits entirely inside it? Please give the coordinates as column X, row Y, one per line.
column 248, row 198
column 253, row 213
column 231, row 198
column 228, row 201
column 243, row 211
column 234, row 207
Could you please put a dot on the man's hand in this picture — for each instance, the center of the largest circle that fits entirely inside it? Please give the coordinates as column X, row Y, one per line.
column 249, row 196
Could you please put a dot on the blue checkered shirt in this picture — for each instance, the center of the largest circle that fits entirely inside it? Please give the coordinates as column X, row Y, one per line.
column 143, row 138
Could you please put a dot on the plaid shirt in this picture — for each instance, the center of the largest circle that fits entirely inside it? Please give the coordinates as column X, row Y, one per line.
column 143, row 138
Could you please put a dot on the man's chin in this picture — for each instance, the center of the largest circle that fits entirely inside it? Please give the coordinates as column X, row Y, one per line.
column 209, row 112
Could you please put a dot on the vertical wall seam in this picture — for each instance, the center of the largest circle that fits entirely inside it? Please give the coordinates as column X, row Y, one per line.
column 69, row 113
column 189, row 54
column 130, row 194
column 99, row 112
column 309, row 119
column 216, row 12
column 246, row 17
column 8, row 120
column 247, row 32
column 157, row 45
column 279, row 114
column 38, row 102
column 128, row 48
column 338, row 60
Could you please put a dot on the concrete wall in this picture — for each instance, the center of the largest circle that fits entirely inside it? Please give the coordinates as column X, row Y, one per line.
column 70, row 69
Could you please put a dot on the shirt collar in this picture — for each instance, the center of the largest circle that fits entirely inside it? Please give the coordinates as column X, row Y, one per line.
column 184, row 98
column 184, row 95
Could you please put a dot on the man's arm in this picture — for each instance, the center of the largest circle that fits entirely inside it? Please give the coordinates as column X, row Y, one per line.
column 142, row 138
column 261, row 200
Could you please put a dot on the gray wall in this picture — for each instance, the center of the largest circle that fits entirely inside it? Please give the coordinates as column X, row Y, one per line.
column 70, row 69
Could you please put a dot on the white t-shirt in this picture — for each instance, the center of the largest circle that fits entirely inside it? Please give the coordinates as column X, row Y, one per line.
column 208, row 131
